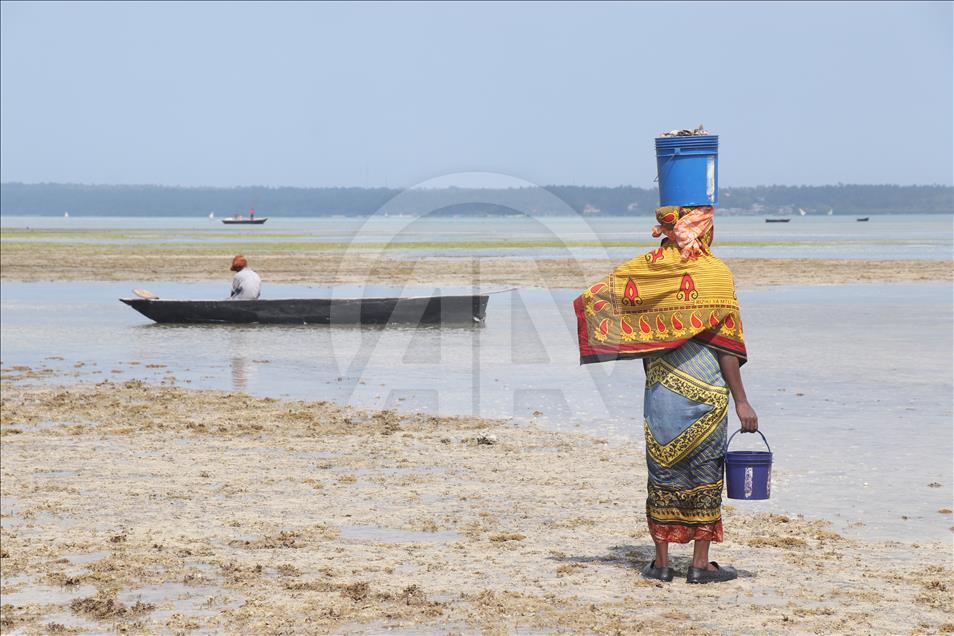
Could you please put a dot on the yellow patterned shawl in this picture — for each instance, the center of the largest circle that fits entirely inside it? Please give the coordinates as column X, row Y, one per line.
column 657, row 302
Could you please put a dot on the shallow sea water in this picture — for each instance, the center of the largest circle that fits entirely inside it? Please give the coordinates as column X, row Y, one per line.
column 889, row 236
column 853, row 384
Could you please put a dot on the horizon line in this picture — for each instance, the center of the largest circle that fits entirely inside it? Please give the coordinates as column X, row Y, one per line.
column 452, row 187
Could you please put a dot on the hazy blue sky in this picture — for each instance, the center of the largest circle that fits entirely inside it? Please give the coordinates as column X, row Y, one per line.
column 367, row 94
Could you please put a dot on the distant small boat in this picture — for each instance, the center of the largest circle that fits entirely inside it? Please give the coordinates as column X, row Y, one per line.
column 244, row 220
column 66, row 215
column 862, row 219
column 211, row 215
column 238, row 220
column 830, row 212
column 802, row 212
column 777, row 220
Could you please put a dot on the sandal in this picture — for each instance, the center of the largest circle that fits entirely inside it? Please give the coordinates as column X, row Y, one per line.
column 705, row 575
column 660, row 574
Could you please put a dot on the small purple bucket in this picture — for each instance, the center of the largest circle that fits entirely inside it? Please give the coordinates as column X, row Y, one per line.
column 748, row 474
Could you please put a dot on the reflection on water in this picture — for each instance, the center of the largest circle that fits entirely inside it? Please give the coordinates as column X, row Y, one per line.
column 239, row 364
column 179, row 598
column 239, row 374
column 47, row 594
column 852, row 383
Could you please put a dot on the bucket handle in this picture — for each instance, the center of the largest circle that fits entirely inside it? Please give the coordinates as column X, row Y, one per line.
column 739, row 431
column 675, row 151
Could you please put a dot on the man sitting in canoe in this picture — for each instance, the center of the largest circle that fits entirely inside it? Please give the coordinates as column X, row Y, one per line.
column 246, row 285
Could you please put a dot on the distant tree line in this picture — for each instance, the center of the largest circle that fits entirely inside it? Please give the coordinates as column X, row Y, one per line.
column 50, row 199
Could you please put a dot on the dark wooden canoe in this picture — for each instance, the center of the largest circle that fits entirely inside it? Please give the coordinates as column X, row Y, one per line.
column 427, row 310
column 777, row 220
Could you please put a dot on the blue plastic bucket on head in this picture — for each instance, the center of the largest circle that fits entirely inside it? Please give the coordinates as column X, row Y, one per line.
column 748, row 474
column 688, row 170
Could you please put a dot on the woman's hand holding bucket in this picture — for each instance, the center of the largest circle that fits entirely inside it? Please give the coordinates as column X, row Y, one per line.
column 747, row 416
column 729, row 364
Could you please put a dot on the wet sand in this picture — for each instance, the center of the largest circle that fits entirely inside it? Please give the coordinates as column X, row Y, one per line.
column 143, row 508
column 29, row 262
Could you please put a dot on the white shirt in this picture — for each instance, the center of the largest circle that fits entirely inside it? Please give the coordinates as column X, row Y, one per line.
column 246, row 285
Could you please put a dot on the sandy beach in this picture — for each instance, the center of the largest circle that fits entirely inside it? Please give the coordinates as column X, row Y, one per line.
column 29, row 262
column 143, row 508
column 147, row 507
column 476, row 292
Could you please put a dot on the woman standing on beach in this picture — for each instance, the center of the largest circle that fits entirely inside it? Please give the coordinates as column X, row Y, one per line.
column 676, row 308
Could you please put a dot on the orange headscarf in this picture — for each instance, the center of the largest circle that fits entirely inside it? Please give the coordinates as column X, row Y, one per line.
column 239, row 263
column 689, row 228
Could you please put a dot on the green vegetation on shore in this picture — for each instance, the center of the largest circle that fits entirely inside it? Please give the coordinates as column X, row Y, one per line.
column 53, row 199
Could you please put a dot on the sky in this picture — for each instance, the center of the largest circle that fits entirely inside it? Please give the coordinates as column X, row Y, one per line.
column 368, row 94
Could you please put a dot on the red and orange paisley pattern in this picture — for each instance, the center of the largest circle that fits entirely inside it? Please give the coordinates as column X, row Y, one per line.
column 657, row 301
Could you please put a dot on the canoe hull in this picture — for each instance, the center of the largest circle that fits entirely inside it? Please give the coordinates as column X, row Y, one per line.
column 316, row 311
column 244, row 221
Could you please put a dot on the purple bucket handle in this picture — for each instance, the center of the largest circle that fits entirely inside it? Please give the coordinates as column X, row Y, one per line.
column 729, row 441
